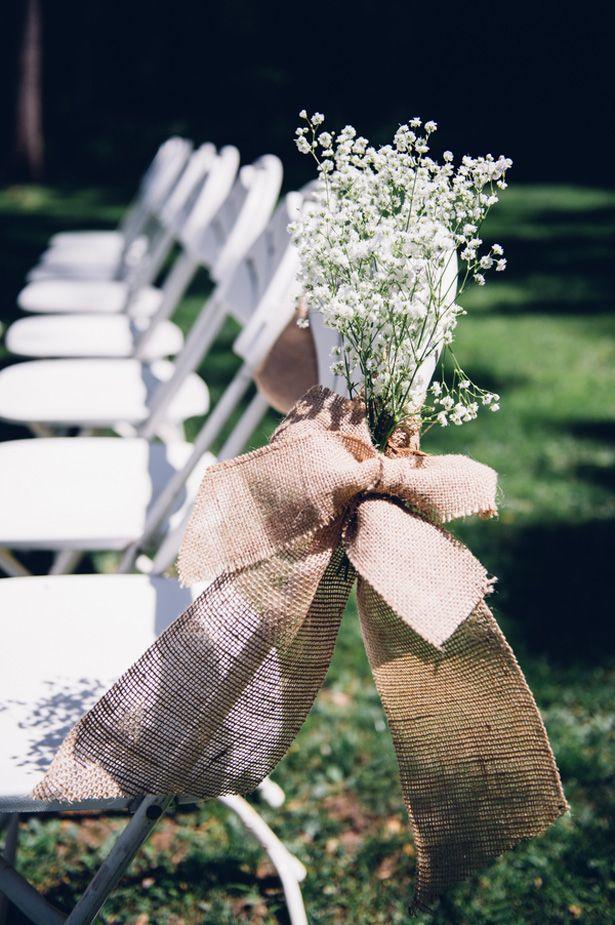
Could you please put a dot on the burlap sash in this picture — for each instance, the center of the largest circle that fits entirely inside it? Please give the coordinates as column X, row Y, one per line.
column 291, row 367
column 282, row 533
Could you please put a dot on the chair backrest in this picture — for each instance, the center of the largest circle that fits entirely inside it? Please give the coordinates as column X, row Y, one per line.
column 174, row 212
column 325, row 339
column 216, row 189
column 137, row 212
column 252, row 219
column 243, row 215
column 176, row 208
column 157, row 186
column 236, row 225
column 167, row 168
column 263, row 289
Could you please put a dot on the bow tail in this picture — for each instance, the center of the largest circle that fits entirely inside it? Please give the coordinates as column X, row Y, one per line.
column 216, row 701
column 476, row 768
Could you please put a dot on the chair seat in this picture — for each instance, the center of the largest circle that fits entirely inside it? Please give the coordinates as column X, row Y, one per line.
column 95, row 238
column 94, row 393
column 65, row 639
column 82, row 252
column 89, row 336
column 81, row 296
column 86, row 492
column 78, row 272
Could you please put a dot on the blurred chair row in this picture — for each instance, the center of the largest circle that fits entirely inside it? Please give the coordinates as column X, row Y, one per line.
column 101, row 332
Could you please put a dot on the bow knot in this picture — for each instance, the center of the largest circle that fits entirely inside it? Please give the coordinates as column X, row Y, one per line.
column 321, row 476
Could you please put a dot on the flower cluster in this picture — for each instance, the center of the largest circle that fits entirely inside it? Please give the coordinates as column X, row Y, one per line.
column 379, row 244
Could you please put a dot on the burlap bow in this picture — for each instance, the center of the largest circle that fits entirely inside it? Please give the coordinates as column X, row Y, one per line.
column 282, row 533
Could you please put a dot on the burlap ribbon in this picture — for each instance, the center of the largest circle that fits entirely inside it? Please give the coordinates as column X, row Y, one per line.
column 282, row 532
column 291, row 367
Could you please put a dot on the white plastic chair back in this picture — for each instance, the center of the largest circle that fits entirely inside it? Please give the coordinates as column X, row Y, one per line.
column 268, row 278
column 138, row 212
column 176, row 208
column 167, row 172
column 243, row 216
column 215, row 191
column 326, row 339
column 253, row 218
column 171, row 218
column 211, row 181
column 138, row 263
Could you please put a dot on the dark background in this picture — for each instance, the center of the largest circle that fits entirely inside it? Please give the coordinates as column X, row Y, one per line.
column 531, row 81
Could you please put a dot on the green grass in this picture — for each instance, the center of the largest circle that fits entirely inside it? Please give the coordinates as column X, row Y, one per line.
column 542, row 336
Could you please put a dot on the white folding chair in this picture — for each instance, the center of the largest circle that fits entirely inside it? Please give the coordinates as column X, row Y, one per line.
column 93, row 493
column 108, row 335
column 119, row 393
column 74, row 636
column 110, row 254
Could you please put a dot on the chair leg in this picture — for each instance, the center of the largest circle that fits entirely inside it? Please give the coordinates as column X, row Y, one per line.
column 11, row 565
column 15, row 889
column 66, row 561
column 271, row 792
column 290, row 869
column 9, row 852
column 110, row 872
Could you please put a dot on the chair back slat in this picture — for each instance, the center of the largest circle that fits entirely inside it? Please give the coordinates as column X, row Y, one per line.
column 138, row 212
column 251, row 278
column 177, row 206
column 173, row 214
column 216, row 189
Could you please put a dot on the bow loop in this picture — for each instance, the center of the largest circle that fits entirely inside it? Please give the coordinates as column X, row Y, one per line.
column 441, row 488
column 319, row 466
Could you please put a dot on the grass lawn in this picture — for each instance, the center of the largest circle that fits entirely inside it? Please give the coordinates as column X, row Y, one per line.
column 542, row 335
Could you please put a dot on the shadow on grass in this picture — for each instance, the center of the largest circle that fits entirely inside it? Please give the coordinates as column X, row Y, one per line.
column 557, row 590
column 221, row 874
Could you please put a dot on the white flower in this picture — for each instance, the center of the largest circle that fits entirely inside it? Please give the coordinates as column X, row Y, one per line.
column 500, row 265
column 375, row 244
column 303, row 114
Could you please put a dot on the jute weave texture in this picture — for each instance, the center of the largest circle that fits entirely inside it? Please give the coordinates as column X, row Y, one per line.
column 282, row 533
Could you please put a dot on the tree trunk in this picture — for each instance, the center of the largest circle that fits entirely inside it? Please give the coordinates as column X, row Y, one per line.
column 28, row 151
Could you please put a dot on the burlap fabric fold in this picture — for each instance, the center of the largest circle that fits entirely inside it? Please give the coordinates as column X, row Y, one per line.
column 282, row 533
column 291, row 367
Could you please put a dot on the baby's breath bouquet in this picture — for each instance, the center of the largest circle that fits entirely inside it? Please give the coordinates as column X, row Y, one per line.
column 379, row 245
